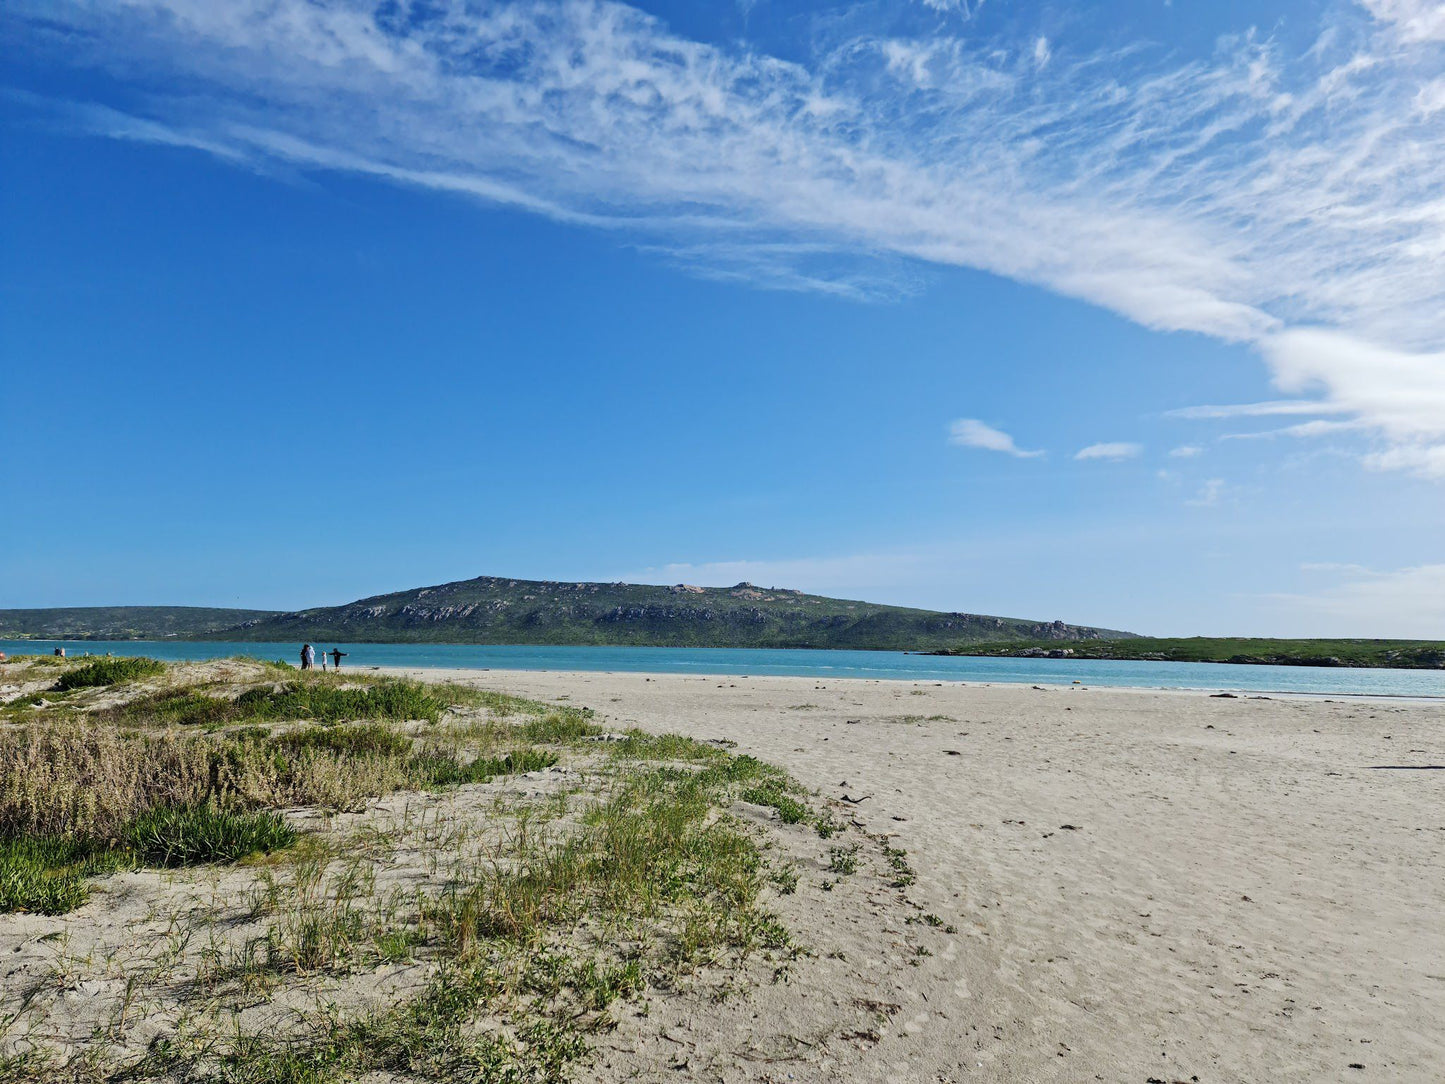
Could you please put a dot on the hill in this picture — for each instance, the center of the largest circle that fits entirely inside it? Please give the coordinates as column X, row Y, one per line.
column 492, row 610
column 1406, row 654
column 123, row 622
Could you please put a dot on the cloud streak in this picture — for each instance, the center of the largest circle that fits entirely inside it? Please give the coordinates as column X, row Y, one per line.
column 1110, row 449
column 1293, row 202
column 972, row 433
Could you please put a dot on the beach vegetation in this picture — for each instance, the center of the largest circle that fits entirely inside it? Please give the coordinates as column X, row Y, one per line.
column 524, row 918
column 198, row 834
column 843, row 860
column 108, row 671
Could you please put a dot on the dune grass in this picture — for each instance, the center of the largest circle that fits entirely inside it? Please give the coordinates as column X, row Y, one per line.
column 49, row 875
column 356, row 740
column 322, row 700
column 108, row 672
column 633, row 876
column 199, row 834
column 524, row 941
column 442, row 770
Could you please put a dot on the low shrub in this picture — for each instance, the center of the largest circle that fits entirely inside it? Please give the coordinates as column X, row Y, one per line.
column 108, row 672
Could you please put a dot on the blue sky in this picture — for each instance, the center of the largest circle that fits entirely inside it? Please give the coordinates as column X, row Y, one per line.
column 1127, row 314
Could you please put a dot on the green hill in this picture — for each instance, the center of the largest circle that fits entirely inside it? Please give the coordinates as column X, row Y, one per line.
column 492, row 610
column 123, row 622
column 1406, row 654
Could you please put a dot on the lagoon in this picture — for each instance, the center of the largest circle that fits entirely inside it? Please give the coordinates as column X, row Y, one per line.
column 801, row 662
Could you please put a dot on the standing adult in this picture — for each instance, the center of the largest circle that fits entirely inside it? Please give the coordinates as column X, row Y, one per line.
column 308, row 656
column 336, row 656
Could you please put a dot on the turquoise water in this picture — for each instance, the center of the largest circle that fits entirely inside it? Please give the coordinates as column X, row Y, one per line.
column 802, row 662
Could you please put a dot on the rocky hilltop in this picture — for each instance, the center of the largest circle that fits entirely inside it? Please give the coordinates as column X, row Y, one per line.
column 496, row 610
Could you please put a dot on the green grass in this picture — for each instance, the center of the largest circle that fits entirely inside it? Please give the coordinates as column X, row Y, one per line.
column 322, row 700
column 522, row 944
column 390, row 698
column 202, row 834
column 108, row 672
column 559, row 727
column 638, row 745
column 440, row 770
column 790, row 810
column 355, row 740
column 455, row 694
column 183, row 707
column 48, row 876
column 633, row 876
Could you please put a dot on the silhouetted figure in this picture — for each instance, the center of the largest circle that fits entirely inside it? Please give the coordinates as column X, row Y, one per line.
column 336, row 656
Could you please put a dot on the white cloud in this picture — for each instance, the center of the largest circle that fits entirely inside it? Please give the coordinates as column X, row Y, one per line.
column 1402, row 393
column 1406, row 603
column 1414, row 20
column 1431, row 98
column 1255, row 410
column 1399, row 394
column 972, row 433
column 1185, row 451
column 1113, row 450
column 1246, row 196
column 1209, row 494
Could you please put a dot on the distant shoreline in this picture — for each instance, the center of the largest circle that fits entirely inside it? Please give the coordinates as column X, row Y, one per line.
column 1330, row 653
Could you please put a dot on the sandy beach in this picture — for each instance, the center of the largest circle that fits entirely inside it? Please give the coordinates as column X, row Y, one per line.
column 1144, row 886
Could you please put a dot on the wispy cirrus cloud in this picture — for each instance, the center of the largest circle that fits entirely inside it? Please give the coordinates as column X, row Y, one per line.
column 972, row 433
column 1413, row 20
column 1111, row 450
column 1271, row 409
column 1295, row 202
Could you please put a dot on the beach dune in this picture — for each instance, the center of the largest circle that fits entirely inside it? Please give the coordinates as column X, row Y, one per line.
column 1145, row 886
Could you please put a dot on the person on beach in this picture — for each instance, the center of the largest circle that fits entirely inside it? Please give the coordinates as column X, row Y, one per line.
column 308, row 656
column 336, row 656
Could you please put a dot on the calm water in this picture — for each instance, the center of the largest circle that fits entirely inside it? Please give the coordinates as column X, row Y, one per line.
column 803, row 663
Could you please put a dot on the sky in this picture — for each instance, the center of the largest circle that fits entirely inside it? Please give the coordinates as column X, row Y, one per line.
column 1128, row 314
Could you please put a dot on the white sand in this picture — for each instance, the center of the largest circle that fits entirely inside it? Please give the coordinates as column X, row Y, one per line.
column 1243, row 897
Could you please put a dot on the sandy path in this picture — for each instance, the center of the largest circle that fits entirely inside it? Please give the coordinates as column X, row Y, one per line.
column 1243, row 897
